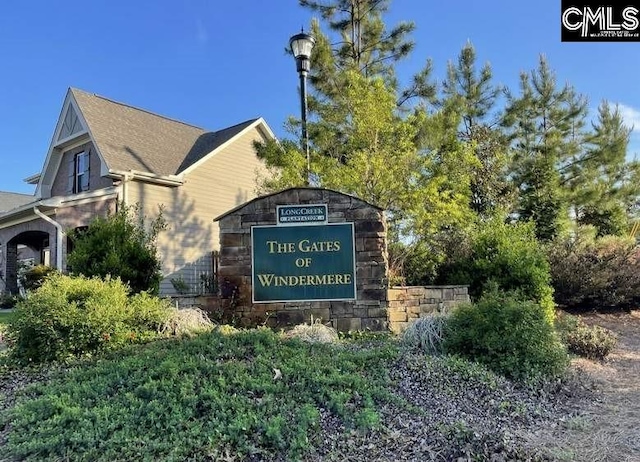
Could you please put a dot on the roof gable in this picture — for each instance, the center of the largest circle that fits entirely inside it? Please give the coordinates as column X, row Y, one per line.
column 71, row 125
column 129, row 139
column 134, row 139
column 211, row 143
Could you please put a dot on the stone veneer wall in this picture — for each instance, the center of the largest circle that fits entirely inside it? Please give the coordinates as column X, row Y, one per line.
column 368, row 311
column 407, row 304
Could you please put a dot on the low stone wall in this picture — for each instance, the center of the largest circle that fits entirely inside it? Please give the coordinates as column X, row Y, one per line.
column 407, row 304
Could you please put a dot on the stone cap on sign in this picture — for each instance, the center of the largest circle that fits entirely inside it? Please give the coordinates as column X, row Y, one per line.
column 285, row 191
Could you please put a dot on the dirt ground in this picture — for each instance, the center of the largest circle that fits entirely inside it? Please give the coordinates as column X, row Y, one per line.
column 608, row 428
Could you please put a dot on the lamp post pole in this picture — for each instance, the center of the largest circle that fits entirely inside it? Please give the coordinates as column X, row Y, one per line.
column 301, row 46
column 305, row 134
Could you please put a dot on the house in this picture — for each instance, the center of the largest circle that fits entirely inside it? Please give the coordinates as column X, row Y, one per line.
column 104, row 153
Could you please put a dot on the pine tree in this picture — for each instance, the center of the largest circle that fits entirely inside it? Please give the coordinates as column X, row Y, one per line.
column 604, row 186
column 474, row 91
column 546, row 125
column 359, row 40
column 356, row 40
column 473, row 94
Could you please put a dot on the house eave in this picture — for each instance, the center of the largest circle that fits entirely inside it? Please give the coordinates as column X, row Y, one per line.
column 259, row 124
column 164, row 180
column 25, row 212
column 33, row 179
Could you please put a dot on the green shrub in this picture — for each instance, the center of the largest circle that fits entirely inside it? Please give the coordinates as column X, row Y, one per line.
column 593, row 342
column 425, row 334
column 121, row 246
column 8, row 301
column 147, row 312
column 565, row 323
column 412, row 264
column 595, row 272
column 33, row 277
column 506, row 255
column 607, row 221
column 509, row 335
column 73, row 316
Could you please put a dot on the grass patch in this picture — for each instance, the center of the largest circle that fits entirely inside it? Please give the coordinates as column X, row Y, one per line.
column 5, row 317
column 246, row 393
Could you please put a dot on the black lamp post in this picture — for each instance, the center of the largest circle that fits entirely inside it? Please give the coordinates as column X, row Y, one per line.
column 301, row 46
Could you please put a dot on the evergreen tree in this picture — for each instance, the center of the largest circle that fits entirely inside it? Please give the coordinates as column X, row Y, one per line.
column 546, row 125
column 423, row 190
column 359, row 40
column 604, row 185
column 473, row 94
column 362, row 142
column 356, row 40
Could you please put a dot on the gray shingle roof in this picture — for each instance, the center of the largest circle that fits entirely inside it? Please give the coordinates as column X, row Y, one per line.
column 11, row 200
column 134, row 139
column 209, row 141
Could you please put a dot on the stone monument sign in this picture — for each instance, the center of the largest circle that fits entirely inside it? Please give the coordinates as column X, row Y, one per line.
column 305, row 252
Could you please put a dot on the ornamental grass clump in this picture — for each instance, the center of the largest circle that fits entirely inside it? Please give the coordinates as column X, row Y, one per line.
column 426, row 334
column 315, row 332
column 186, row 322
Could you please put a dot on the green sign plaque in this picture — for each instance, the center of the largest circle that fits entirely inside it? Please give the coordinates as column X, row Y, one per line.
column 313, row 214
column 303, row 263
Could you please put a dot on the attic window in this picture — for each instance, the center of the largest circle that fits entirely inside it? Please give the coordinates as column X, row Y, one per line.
column 79, row 172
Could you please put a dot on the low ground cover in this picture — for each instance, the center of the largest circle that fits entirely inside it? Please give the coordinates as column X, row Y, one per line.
column 254, row 395
column 248, row 393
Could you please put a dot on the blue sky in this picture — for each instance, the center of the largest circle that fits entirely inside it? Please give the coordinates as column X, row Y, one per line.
column 214, row 63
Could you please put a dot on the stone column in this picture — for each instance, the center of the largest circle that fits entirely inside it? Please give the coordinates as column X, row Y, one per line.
column 12, row 268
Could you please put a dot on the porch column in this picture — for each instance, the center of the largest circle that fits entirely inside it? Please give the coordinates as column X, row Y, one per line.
column 12, row 268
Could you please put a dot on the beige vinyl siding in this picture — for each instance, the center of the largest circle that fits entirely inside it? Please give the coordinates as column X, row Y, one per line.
column 225, row 180
column 177, row 244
